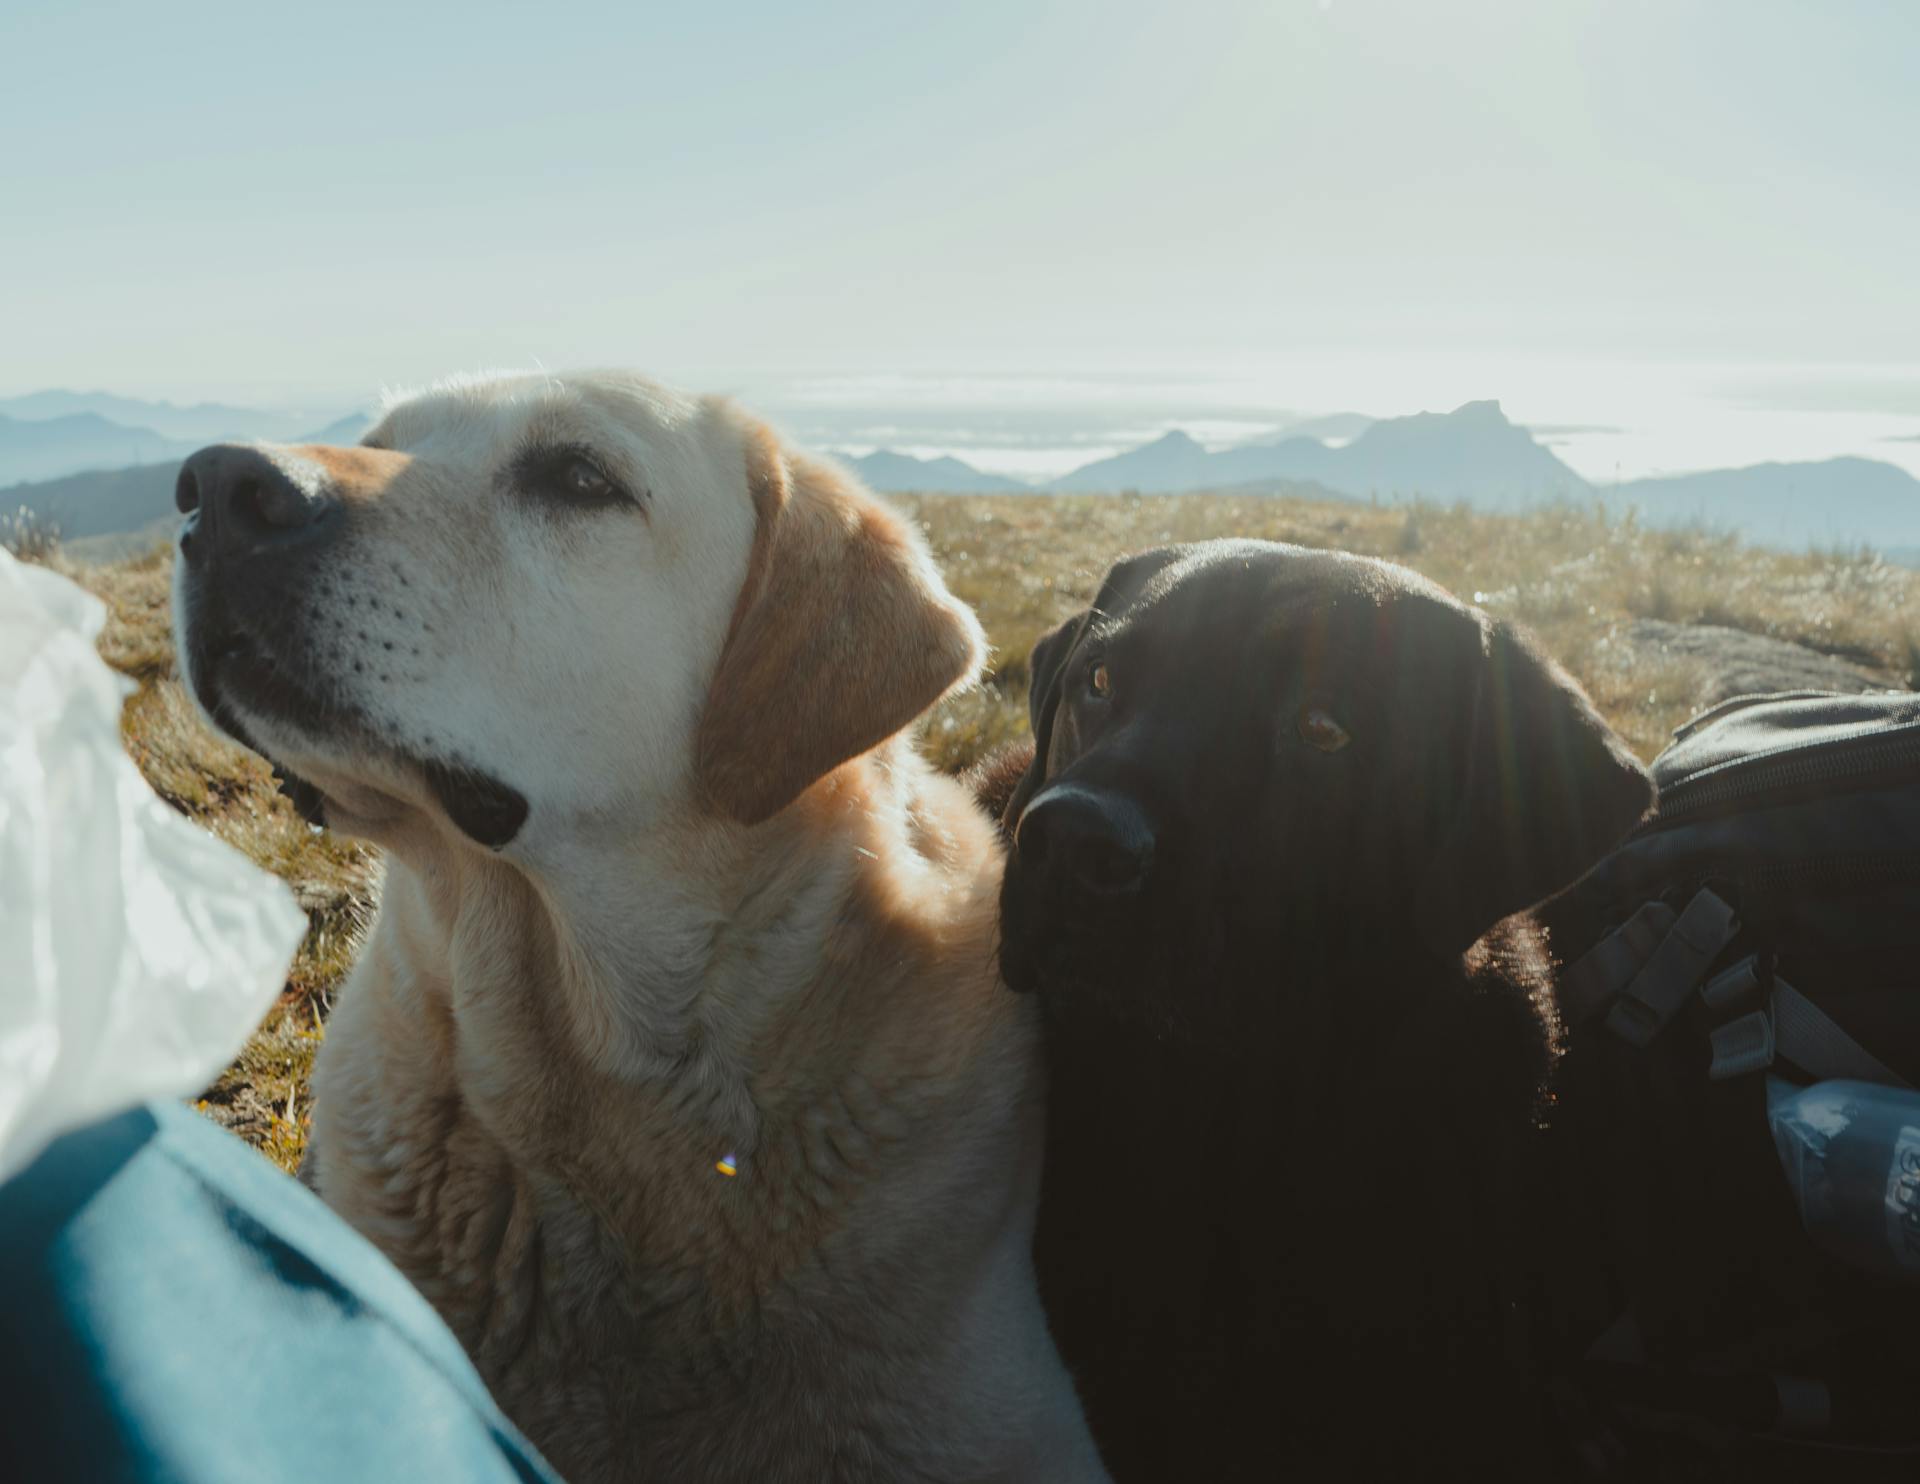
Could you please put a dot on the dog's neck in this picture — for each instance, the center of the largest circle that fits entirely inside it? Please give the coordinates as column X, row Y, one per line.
column 660, row 959
column 812, row 1001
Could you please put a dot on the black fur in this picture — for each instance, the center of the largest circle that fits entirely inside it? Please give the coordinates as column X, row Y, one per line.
column 1300, row 1204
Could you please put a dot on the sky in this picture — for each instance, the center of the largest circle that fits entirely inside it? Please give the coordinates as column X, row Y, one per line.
column 283, row 204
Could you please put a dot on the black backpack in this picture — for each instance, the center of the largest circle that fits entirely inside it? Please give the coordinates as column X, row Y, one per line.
column 1763, row 922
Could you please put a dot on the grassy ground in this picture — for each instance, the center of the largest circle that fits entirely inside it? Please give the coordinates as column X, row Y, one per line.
column 1576, row 578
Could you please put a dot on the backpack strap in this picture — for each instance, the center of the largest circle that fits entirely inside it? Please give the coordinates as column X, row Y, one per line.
column 1814, row 1042
column 1642, row 972
column 1589, row 984
column 1678, row 965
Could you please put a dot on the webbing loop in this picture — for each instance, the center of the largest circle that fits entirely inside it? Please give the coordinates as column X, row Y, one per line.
column 1677, row 966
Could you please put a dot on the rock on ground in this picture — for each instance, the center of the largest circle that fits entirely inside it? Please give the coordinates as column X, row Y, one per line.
column 1733, row 662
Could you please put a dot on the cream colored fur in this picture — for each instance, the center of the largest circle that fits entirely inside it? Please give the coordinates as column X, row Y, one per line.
column 544, row 1050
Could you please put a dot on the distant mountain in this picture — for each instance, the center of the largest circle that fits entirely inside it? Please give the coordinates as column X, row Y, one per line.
column 1471, row 453
column 99, row 502
column 92, row 475
column 342, row 430
column 1174, row 462
column 1336, row 427
column 1834, row 502
column 48, row 447
column 46, row 435
column 204, row 422
column 900, row 473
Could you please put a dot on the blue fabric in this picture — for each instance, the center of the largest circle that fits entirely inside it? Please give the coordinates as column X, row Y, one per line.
column 174, row 1308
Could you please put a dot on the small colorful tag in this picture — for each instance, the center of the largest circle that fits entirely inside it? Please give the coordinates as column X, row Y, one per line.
column 728, row 1165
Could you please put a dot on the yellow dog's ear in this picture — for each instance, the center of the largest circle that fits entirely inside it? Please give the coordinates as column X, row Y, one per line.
column 842, row 635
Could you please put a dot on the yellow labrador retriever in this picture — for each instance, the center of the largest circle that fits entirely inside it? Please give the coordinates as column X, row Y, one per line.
column 676, row 1070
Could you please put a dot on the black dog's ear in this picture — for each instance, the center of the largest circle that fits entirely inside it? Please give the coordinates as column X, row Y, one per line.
column 1043, row 698
column 1549, row 789
column 995, row 778
column 1123, row 583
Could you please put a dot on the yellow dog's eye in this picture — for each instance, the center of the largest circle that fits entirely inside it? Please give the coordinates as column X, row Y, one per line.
column 568, row 478
column 586, row 482
column 1099, row 681
column 1319, row 729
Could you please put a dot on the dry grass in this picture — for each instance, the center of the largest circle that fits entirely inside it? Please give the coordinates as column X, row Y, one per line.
column 1575, row 577
column 1572, row 575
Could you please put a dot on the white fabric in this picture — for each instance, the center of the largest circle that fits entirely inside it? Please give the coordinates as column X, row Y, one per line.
column 137, row 952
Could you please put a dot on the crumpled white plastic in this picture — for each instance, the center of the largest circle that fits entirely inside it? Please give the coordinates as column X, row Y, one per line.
column 137, row 952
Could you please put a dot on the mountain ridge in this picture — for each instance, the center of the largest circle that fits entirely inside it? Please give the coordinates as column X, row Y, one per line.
column 46, row 448
column 888, row 470
column 1840, row 501
column 198, row 422
column 1472, row 453
column 51, row 434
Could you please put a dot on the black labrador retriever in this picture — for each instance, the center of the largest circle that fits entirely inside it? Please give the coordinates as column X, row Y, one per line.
column 1280, row 806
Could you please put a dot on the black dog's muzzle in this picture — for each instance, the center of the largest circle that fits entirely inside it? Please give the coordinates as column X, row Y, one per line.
column 1085, row 845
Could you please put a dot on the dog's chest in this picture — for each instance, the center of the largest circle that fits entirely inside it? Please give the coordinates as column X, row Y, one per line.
column 641, row 1312
column 702, row 1357
column 664, row 1319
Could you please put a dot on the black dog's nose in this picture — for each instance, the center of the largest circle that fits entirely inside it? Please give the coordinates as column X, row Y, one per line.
column 247, row 499
column 1094, row 841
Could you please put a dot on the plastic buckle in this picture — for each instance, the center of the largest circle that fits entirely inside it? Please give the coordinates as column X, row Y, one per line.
column 1732, row 984
column 1742, row 1046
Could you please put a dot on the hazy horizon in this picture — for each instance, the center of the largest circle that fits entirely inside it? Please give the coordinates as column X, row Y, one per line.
column 1680, row 234
column 747, row 193
column 1609, row 421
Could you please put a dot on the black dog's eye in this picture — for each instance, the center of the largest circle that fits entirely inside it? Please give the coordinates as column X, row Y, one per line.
column 568, row 476
column 1319, row 729
column 1098, row 680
